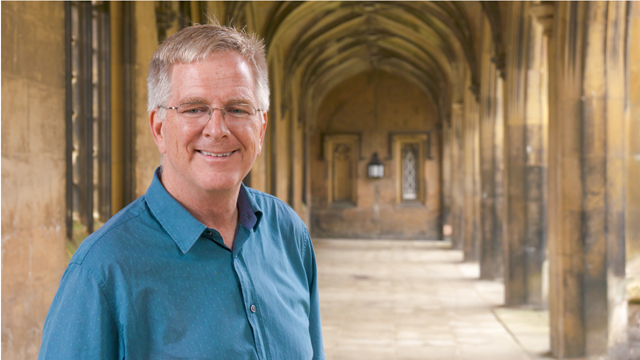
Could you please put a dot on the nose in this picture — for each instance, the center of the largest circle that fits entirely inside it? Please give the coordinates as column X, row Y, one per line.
column 216, row 127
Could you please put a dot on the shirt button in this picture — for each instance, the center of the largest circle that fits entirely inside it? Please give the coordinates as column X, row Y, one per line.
column 253, row 308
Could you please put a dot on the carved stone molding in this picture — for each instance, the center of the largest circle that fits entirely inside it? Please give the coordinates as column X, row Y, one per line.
column 165, row 17
column 500, row 63
column 542, row 13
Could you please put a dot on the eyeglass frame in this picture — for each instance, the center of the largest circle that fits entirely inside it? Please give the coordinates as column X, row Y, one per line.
column 222, row 111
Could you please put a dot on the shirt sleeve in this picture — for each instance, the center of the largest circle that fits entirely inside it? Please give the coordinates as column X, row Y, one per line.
column 79, row 324
column 315, row 326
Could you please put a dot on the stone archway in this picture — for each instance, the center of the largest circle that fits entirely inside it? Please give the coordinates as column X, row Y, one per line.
column 377, row 112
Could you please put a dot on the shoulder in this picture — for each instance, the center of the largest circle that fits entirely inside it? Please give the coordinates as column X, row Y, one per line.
column 279, row 216
column 274, row 208
column 116, row 234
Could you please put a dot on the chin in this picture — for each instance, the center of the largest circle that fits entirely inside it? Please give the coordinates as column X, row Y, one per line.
column 220, row 183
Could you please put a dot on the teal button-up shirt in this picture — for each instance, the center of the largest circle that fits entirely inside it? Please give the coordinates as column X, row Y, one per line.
column 155, row 283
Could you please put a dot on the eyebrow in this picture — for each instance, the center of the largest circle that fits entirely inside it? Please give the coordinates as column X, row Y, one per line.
column 232, row 101
column 236, row 101
column 194, row 100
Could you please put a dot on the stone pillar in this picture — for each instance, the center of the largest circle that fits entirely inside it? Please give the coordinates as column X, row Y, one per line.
column 116, row 16
column 470, row 224
column 586, row 187
column 299, row 167
column 282, row 147
column 632, row 228
column 446, row 165
column 536, row 147
column 515, row 265
column 632, row 166
column 525, row 152
column 615, row 183
column 490, row 256
column 146, row 151
column 457, row 177
column 498, row 178
column 261, row 172
column 33, row 170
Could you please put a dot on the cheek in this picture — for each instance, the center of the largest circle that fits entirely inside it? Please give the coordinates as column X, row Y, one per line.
column 177, row 138
column 258, row 136
column 169, row 138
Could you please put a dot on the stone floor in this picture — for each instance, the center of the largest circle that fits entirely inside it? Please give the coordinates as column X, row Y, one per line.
column 417, row 300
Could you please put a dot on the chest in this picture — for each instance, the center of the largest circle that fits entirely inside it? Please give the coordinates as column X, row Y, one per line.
column 213, row 303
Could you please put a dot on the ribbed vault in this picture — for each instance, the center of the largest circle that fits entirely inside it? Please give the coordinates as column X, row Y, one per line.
column 314, row 46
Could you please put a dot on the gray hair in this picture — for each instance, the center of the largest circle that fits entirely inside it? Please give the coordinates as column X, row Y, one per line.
column 196, row 43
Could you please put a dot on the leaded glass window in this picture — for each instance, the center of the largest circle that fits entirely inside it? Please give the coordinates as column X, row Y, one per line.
column 409, row 172
column 409, row 152
column 88, row 119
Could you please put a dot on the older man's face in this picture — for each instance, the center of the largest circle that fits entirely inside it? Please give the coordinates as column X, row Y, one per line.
column 216, row 156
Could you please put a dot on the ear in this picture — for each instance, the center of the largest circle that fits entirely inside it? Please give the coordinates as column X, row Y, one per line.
column 263, row 130
column 157, row 125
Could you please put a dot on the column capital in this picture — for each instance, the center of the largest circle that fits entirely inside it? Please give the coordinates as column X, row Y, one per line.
column 475, row 90
column 501, row 64
column 542, row 13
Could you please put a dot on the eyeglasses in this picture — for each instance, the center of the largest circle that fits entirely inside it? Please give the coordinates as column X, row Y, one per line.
column 201, row 113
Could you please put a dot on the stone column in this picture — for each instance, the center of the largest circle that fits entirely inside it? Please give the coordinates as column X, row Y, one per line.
column 470, row 224
column 146, row 154
column 490, row 256
column 446, row 180
column 498, row 177
column 525, row 155
column 632, row 228
column 586, row 128
column 457, row 178
column 616, row 95
column 536, row 149
column 515, row 270
column 282, row 148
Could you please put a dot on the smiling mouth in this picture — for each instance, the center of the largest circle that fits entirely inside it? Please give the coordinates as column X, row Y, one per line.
column 214, row 154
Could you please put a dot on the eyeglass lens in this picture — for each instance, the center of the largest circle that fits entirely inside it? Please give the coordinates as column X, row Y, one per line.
column 203, row 112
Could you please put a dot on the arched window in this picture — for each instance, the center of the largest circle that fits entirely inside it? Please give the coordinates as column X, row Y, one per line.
column 342, row 173
column 409, row 172
column 342, row 152
column 410, row 152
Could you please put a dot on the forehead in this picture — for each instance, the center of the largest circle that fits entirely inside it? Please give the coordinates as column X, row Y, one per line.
column 219, row 77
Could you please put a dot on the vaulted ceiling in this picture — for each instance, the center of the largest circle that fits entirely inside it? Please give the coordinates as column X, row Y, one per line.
column 314, row 46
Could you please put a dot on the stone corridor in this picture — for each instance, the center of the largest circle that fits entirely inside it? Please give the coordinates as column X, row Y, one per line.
column 392, row 299
column 514, row 125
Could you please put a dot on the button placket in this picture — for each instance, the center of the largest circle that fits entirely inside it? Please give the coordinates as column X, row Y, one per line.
column 250, row 298
column 244, row 283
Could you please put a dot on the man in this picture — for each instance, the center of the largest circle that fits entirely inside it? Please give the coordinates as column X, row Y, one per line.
column 200, row 267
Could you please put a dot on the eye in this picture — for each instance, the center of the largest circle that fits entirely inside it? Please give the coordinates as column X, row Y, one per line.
column 239, row 110
column 193, row 109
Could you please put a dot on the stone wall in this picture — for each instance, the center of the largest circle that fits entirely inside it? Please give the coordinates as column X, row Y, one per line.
column 373, row 105
column 147, row 157
column 633, row 136
column 33, row 170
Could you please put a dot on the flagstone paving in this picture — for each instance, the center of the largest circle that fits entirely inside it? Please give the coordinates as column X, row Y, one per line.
column 397, row 299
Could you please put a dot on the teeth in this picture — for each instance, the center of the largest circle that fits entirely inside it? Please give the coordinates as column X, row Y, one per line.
column 216, row 155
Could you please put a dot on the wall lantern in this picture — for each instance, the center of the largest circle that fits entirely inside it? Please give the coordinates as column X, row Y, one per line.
column 375, row 168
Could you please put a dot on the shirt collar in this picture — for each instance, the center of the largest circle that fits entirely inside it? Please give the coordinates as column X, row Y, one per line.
column 249, row 212
column 183, row 228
